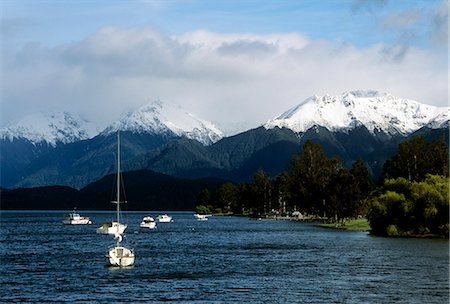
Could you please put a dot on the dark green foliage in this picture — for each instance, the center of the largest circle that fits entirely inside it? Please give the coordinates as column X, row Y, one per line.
column 343, row 196
column 309, row 176
column 261, row 189
column 411, row 201
column 201, row 209
column 363, row 185
column 314, row 184
column 416, row 158
column 226, row 197
column 203, row 197
column 404, row 208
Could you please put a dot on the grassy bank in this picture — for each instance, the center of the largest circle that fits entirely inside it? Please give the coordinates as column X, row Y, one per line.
column 355, row 225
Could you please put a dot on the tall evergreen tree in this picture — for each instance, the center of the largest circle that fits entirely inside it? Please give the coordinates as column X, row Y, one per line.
column 309, row 175
column 363, row 184
column 262, row 189
column 416, row 158
column 225, row 197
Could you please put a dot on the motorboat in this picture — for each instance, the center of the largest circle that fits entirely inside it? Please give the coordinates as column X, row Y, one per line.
column 118, row 256
column 148, row 222
column 76, row 219
column 201, row 217
column 164, row 218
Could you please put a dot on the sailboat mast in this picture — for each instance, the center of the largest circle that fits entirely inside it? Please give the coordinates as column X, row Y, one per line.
column 118, row 175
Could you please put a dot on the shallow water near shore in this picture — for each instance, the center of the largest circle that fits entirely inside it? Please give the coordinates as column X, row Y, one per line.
column 223, row 259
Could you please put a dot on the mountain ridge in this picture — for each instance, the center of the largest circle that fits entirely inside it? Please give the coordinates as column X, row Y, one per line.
column 52, row 128
column 378, row 112
column 166, row 119
column 269, row 147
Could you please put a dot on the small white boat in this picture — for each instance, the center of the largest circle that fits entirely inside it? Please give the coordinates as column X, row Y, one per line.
column 111, row 228
column 118, row 256
column 148, row 222
column 164, row 218
column 75, row 219
column 201, row 217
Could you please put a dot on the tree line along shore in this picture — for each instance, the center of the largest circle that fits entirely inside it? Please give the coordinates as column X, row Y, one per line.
column 411, row 199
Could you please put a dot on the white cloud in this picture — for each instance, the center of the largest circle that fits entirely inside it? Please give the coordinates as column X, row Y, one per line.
column 239, row 78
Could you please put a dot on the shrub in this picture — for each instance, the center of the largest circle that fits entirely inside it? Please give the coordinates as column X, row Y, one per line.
column 392, row 230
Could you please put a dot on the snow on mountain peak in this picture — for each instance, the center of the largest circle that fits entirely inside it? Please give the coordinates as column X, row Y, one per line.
column 50, row 127
column 378, row 112
column 167, row 118
column 364, row 93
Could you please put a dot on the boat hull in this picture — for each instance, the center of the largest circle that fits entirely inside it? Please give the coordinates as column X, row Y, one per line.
column 77, row 222
column 148, row 225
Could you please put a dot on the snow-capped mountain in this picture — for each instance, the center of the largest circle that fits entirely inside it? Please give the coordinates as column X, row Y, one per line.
column 440, row 121
column 378, row 112
column 50, row 128
column 167, row 119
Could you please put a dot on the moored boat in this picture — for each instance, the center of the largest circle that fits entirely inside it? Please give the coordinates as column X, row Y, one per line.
column 112, row 227
column 118, row 256
column 74, row 218
column 148, row 222
column 201, row 217
column 164, row 218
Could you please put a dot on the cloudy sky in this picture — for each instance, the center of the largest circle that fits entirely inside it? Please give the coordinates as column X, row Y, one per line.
column 235, row 62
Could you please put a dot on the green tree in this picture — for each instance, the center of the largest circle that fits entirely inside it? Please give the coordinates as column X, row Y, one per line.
column 416, row 158
column 401, row 207
column 363, row 184
column 225, row 197
column 431, row 198
column 281, row 194
column 309, row 176
column 343, row 196
column 262, row 191
column 201, row 209
column 245, row 200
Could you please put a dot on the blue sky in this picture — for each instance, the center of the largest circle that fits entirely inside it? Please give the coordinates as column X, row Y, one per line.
column 54, row 22
column 265, row 56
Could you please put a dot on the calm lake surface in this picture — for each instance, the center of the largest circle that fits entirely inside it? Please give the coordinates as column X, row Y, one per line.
column 224, row 259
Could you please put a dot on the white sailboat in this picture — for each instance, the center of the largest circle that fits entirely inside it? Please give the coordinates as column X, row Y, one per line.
column 119, row 256
column 114, row 227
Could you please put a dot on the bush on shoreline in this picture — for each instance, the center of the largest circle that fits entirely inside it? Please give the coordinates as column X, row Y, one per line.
column 404, row 208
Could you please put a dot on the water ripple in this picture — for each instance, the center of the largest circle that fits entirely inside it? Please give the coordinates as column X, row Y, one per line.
column 222, row 260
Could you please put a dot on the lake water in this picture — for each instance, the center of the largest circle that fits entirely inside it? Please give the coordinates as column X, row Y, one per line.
column 222, row 260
